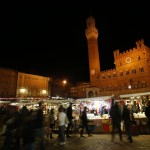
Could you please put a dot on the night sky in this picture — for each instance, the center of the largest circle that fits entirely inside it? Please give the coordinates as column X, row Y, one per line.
column 49, row 39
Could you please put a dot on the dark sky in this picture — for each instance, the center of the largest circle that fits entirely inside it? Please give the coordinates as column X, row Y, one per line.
column 49, row 39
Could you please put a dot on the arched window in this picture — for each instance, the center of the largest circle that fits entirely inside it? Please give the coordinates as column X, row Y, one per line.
column 121, row 73
column 114, row 74
column 108, row 76
column 103, row 76
column 133, row 71
column 141, row 69
column 90, row 94
column 127, row 72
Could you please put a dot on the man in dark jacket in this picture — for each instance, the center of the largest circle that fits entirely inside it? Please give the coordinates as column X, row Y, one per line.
column 70, row 117
column 115, row 114
column 84, row 122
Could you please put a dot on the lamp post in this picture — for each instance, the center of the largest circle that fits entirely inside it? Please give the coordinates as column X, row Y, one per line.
column 22, row 92
column 64, row 86
column 44, row 92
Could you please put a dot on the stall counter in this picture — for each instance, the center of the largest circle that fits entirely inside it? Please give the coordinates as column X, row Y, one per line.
column 105, row 126
column 101, row 125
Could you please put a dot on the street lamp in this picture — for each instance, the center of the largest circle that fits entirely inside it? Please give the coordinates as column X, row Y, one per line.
column 44, row 92
column 64, row 82
column 22, row 92
column 64, row 85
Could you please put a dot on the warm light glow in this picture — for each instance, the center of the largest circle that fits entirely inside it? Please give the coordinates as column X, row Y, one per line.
column 22, row 90
column 64, row 82
column 129, row 86
column 44, row 91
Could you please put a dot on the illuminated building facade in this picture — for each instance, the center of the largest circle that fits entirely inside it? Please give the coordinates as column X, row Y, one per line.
column 132, row 67
column 79, row 90
column 29, row 85
column 22, row 85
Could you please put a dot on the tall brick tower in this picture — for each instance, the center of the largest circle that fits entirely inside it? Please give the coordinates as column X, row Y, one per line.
column 93, row 53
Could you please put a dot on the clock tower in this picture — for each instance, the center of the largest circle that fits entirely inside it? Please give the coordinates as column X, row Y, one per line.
column 93, row 53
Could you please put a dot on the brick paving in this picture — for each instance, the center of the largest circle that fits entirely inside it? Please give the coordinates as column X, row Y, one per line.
column 98, row 142
column 103, row 142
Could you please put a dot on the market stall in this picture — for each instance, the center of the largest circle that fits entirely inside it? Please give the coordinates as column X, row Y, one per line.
column 98, row 112
column 137, row 102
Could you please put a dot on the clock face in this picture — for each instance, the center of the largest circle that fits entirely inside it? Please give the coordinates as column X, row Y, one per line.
column 92, row 71
column 128, row 60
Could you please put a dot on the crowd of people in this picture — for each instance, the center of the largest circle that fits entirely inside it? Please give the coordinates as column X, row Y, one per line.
column 124, row 113
column 28, row 125
column 23, row 124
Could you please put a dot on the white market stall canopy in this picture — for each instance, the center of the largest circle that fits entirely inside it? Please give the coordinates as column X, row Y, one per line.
column 102, row 98
column 59, row 101
column 134, row 95
column 23, row 104
column 4, row 102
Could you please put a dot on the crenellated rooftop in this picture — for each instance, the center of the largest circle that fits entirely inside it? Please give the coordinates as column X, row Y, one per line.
column 139, row 44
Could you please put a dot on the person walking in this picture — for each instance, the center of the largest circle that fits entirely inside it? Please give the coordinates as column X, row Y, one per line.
column 52, row 122
column 70, row 117
column 84, row 122
column 115, row 114
column 39, row 126
column 61, row 125
column 126, row 117
column 147, row 113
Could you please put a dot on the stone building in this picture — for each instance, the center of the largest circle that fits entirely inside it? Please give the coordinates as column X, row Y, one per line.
column 8, row 82
column 29, row 85
column 14, row 84
column 132, row 67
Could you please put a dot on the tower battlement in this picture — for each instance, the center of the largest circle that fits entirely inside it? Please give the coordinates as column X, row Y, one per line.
column 139, row 46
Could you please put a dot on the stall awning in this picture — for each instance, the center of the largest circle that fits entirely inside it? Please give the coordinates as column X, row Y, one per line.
column 134, row 94
column 95, row 98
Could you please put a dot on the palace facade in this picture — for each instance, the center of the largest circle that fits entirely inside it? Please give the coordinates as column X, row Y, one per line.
column 14, row 84
column 132, row 67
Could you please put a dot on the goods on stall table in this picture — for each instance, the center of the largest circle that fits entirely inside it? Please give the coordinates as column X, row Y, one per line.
column 107, row 127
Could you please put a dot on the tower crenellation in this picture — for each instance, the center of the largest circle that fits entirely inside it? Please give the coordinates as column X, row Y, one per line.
column 139, row 47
